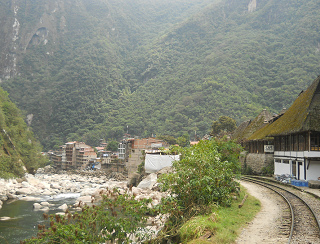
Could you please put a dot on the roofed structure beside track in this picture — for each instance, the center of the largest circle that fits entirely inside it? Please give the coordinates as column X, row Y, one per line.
column 293, row 137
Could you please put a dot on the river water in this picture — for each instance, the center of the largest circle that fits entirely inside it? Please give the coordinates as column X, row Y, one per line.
column 24, row 220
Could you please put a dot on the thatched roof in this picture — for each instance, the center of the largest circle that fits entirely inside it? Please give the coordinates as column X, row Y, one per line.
column 247, row 128
column 303, row 115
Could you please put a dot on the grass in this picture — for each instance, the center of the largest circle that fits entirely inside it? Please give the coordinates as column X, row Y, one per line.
column 223, row 225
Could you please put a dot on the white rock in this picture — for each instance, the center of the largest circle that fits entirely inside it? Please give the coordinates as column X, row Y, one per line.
column 148, row 182
column 84, row 199
column 14, row 181
column 32, row 181
column 63, row 207
column 155, row 202
column 88, row 191
column 24, row 191
column 3, row 198
column 36, row 206
column 3, row 185
column 4, row 218
column 136, row 191
column 45, row 204
column 45, row 209
column 12, row 196
column 139, row 197
column 55, row 185
column 25, row 184
column 47, row 193
column 29, row 199
column 43, row 185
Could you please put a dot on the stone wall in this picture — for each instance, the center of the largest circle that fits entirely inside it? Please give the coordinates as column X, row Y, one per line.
column 135, row 159
column 256, row 161
column 114, row 167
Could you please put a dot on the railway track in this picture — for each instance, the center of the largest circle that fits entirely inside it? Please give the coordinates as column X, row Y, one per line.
column 301, row 223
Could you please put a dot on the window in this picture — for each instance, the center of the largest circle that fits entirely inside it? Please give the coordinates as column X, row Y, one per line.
column 314, row 141
column 295, row 143
column 288, row 143
column 302, row 142
column 283, row 143
column 277, row 143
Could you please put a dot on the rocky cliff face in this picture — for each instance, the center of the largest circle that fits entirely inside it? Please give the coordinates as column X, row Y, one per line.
column 6, row 39
column 23, row 25
column 252, row 6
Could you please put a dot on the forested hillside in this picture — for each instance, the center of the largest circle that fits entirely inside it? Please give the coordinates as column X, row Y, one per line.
column 85, row 70
column 19, row 151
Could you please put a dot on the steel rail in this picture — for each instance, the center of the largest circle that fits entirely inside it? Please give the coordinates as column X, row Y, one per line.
column 311, row 210
column 279, row 193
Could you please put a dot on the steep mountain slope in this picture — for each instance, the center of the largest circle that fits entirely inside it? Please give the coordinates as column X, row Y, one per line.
column 228, row 60
column 85, row 70
column 19, row 151
column 72, row 68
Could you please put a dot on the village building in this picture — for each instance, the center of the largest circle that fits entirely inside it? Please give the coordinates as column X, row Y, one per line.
column 294, row 137
column 132, row 151
column 74, row 155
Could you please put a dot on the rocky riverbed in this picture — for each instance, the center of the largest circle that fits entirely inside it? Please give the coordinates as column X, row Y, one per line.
column 85, row 186
column 49, row 191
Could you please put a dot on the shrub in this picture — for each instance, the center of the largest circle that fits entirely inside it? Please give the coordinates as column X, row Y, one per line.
column 117, row 218
column 268, row 170
column 205, row 174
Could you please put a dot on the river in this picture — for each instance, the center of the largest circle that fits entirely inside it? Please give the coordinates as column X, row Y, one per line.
column 23, row 222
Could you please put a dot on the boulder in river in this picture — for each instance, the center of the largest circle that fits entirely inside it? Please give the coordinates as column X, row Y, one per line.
column 63, row 207
column 37, row 206
column 148, row 182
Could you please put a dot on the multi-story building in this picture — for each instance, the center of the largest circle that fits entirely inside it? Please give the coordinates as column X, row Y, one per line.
column 84, row 156
column 74, row 155
column 124, row 149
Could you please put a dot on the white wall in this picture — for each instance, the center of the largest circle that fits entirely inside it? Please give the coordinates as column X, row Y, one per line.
column 301, row 171
column 156, row 162
column 314, row 170
column 281, row 168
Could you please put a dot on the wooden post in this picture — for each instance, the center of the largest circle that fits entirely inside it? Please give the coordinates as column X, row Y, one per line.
column 244, row 199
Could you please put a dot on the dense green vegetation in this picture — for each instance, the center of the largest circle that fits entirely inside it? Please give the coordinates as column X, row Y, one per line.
column 225, row 124
column 161, row 67
column 204, row 174
column 204, row 177
column 19, row 151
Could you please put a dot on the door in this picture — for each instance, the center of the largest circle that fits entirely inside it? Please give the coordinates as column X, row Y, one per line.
column 294, row 168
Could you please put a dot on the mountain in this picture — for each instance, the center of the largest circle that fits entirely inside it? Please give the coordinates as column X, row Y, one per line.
column 90, row 70
column 19, row 150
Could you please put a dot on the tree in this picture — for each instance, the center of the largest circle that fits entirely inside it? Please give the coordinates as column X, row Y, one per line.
column 184, row 140
column 112, row 146
column 225, row 124
column 205, row 173
column 169, row 139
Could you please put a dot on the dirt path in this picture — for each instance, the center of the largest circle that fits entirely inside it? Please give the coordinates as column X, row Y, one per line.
column 264, row 227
